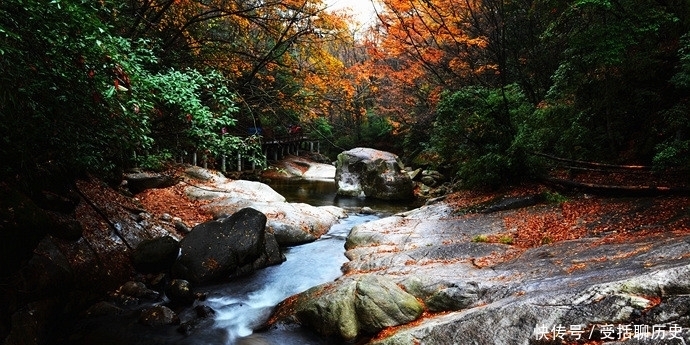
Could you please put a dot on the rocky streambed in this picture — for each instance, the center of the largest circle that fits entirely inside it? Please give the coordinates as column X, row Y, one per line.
column 575, row 271
column 430, row 276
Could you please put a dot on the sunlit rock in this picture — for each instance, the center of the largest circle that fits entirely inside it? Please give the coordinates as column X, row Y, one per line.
column 296, row 167
column 291, row 223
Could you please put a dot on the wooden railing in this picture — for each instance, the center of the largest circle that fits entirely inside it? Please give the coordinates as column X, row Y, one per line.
column 273, row 148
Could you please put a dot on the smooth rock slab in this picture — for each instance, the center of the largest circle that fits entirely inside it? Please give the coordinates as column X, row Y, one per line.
column 291, row 223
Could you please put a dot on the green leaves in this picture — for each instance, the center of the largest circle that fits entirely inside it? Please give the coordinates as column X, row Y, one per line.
column 183, row 92
column 476, row 130
column 610, row 85
column 91, row 99
column 682, row 78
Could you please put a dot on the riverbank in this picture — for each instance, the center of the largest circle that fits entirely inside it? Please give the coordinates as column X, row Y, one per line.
column 528, row 260
column 521, row 276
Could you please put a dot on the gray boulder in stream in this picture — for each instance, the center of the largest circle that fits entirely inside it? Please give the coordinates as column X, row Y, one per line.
column 218, row 249
column 351, row 308
column 372, row 173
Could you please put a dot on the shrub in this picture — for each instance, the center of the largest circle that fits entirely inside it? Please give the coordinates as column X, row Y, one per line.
column 506, row 239
column 554, row 197
column 476, row 130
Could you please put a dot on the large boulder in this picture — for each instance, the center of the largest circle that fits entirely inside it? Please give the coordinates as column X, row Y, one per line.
column 372, row 173
column 217, row 249
column 138, row 182
column 291, row 223
column 156, row 255
column 353, row 307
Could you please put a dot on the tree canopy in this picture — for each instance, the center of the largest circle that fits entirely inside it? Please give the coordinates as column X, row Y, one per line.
column 474, row 87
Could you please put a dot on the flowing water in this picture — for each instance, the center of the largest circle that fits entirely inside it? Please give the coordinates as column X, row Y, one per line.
column 244, row 304
column 247, row 303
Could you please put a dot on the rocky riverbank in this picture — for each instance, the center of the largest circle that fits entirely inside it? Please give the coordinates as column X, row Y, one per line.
column 532, row 267
column 87, row 242
column 603, row 270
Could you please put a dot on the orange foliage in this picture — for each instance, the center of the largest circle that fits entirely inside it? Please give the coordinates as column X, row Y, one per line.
column 420, row 48
column 280, row 55
column 613, row 220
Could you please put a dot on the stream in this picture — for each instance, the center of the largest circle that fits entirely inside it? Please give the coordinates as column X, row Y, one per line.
column 246, row 303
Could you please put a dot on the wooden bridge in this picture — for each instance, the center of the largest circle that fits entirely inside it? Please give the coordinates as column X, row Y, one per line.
column 274, row 149
column 277, row 148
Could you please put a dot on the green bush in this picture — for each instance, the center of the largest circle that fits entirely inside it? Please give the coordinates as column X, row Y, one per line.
column 675, row 150
column 559, row 130
column 91, row 99
column 155, row 162
column 480, row 239
column 376, row 128
column 554, row 197
column 476, row 130
column 506, row 239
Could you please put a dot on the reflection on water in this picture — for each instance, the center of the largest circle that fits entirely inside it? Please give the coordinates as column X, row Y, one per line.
column 323, row 193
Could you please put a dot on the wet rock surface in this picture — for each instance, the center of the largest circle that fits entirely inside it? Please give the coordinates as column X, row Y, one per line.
column 477, row 292
column 218, row 249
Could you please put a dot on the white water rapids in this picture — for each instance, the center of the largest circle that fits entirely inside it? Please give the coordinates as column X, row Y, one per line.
column 247, row 303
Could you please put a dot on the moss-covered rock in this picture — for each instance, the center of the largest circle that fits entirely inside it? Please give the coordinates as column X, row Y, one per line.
column 351, row 308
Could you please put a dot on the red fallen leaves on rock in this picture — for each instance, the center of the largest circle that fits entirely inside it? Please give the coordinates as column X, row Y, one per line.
column 388, row 331
column 615, row 220
column 174, row 201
